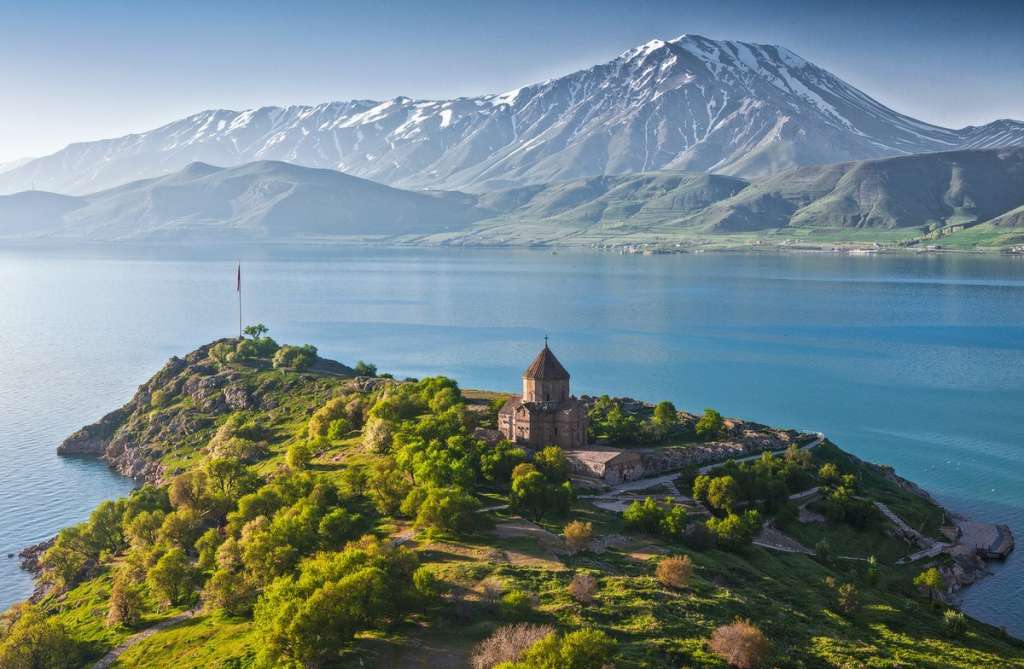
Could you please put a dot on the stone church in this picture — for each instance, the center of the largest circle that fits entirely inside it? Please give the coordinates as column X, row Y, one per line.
column 546, row 414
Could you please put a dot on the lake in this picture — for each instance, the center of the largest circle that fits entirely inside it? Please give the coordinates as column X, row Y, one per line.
column 916, row 362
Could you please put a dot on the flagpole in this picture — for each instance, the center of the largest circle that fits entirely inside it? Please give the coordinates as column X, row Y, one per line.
column 238, row 287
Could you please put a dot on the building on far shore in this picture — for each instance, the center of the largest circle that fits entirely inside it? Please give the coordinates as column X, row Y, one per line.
column 546, row 414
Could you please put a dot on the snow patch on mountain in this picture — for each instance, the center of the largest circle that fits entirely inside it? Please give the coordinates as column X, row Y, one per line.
column 688, row 103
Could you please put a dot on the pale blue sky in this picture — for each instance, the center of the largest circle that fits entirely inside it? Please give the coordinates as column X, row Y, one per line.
column 74, row 71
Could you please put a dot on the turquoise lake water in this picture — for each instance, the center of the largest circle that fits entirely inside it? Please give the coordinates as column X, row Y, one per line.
column 917, row 362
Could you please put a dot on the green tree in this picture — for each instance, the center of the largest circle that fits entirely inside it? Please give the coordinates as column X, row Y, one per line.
column 256, row 331
column 126, row 602
column 308, row 618
column 530, row 493
column 231, row 592
column 299, row 455
column 930, row 580
column 710, row 425
column 447, row 510
column 645, row 516
column 665, row 418
column 497, row 463
column 33, row 641
column 180, row 528
column 735, row 531
column 552, row 463
column 829, row 474
column 206, row 546
column 142, row 530
column 388, row 486
column 172, row 578
column 723, row 493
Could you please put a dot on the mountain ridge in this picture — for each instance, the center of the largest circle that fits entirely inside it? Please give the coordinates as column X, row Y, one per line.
column 691, row 104
column 268, row 201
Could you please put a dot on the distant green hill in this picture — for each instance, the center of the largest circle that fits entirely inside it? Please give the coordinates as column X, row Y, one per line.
column 263, row 201
column 967, row 199
column 927, row 192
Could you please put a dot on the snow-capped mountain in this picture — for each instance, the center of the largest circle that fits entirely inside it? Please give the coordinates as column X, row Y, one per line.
column 691, row 103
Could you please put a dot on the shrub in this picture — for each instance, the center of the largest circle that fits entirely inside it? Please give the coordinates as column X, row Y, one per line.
column 675, row 571
column 299, row 455
column 365, row 369
column 823, row 551
column 378, row 434
column 848, row 599
column 741, row 644
column 338, row 428
column 578, row 536
column 426, row 583
column 508, row 644
column 954, row 622
column 517, row 604
column 159, row 399
column 871, row 574
column 583, row 587
column 645, row 516
column 491, row 590
column 582, row 649
column 697, row 537
column 295, row 357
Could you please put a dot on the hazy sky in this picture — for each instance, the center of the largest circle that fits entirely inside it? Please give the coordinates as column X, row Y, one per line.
column 73, row 71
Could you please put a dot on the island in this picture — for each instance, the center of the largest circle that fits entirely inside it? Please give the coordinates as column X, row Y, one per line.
column 293, row 511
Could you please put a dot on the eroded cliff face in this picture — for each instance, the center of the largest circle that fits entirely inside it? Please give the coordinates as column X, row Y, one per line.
column 176, row 407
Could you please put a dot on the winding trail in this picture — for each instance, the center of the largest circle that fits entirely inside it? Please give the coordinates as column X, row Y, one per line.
column 110, row 658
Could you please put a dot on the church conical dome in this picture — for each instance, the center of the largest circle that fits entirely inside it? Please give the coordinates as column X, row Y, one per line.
column 545, row 367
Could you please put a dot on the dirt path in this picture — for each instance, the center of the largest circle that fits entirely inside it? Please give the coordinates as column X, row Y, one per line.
column 110, row 658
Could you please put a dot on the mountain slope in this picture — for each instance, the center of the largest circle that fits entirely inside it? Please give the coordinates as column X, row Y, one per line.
column 691, row 104
column 956, row 187
column 269, row 201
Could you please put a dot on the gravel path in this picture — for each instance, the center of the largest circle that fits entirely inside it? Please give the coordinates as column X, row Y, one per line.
column 110, row 658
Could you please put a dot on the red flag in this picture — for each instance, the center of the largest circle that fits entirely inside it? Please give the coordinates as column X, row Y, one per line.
column 238, row 279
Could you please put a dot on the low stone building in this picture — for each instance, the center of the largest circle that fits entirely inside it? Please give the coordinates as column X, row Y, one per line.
column 608, row 464
column 546, row 414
